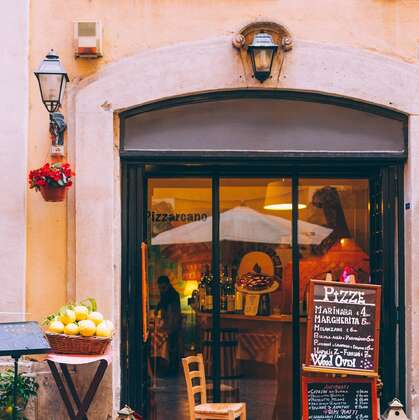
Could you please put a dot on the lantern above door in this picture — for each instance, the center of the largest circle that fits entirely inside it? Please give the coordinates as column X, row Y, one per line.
column 262, row 51
column 262, row 46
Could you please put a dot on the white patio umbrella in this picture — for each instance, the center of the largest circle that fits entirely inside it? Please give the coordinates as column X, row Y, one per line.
column 245, row 225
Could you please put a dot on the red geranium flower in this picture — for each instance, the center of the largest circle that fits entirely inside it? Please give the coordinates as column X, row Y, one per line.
column 56, row 175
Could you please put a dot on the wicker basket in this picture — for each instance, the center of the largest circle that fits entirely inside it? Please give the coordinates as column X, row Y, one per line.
column 75, row 344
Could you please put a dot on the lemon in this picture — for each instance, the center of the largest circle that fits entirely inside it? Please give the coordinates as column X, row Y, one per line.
column 68, row 316
column 87, row 328
column 96, row 317
column 71, row 329
column 109, row 323
column 81, row 312
column 56, row 327
column 9, row 409
column 104, row 329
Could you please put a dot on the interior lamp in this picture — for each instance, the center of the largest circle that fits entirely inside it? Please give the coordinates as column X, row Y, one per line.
column 279, row 196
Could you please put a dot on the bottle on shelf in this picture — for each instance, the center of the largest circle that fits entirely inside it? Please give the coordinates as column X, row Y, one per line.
column 239, row 302
column 209, row 300
column 231, row 294
column 202, row 293
column 223, row 290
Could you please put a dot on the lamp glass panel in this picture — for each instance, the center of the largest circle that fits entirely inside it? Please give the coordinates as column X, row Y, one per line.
column 63, row 85
column 263, row 59
column 50, row 86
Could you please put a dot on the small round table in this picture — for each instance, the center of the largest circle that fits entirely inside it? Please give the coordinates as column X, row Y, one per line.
column 63, row 360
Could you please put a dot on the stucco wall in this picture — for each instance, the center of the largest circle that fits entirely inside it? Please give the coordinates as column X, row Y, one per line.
column 385, row 27
column 158, row 48
column 132, row 26
column 13, row 155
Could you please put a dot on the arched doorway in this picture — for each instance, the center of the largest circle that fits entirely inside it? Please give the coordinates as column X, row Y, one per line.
column 239, row 140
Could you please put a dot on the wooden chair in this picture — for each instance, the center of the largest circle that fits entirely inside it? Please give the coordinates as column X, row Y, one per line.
column 204, row 410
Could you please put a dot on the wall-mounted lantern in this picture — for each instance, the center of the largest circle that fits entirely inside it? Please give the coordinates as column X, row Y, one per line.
column 262, row 46
column 52, row 79
column 262, row 51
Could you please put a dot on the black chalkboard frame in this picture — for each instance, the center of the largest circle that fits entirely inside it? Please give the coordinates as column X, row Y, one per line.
column 308, row 380
column 310, row 315
column 24, row 345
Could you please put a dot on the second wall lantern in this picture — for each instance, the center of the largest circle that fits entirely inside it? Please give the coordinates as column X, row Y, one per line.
column 52, row 79
column 262, row 46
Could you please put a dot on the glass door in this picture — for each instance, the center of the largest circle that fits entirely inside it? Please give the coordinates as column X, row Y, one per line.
column 179, row 239
column 229, row 260
column 216, row 252
column 256, row 341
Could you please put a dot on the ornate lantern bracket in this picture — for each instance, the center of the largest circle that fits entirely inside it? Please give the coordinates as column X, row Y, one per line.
column 262, row 47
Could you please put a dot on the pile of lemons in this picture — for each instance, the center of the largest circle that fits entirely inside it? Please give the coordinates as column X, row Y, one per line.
column 80, row 320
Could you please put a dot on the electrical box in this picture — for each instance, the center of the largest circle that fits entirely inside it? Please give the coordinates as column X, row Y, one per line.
column 88, row 39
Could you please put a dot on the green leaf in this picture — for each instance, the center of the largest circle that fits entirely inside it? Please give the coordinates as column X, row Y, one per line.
column 90, row 304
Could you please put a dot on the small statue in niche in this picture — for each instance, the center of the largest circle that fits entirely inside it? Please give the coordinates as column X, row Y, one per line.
column 57, row 127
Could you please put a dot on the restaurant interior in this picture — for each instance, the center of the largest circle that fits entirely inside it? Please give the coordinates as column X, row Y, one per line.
column 255, row 280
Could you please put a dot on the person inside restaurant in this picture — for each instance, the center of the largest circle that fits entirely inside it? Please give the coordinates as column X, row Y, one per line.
column 169, row 311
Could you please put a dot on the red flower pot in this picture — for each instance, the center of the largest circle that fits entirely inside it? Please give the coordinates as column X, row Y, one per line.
column 53, row 194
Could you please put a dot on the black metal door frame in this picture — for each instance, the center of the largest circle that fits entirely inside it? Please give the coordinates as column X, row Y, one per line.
column 134, row 383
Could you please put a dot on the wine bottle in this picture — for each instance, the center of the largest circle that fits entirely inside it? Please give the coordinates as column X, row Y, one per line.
column 231, row 295
column 223, row 290
column 202, row 292
column 209, row 302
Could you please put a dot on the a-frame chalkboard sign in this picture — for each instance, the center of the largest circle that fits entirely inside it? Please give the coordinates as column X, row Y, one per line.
column 17, row 339
column 343, row 328
column 339, row 398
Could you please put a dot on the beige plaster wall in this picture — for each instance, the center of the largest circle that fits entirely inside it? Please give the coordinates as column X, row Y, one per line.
column 382, row 26
column 363, row 49
column 13, row 156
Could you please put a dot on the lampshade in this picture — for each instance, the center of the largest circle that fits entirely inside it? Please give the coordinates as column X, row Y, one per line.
column 279, row 196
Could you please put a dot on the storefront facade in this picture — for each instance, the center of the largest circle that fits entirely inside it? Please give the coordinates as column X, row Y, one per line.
column 225, row 185
column 115, row 156
column 90, row 255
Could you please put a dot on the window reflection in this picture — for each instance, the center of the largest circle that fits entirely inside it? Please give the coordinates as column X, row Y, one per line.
column 340, row 205
column 255, row 278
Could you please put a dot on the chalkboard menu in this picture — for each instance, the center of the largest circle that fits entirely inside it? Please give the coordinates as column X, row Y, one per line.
column 339, row 398
column 343, row 326
column 18, row 338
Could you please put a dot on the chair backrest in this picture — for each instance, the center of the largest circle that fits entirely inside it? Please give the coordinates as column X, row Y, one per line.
column 190, row 375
